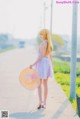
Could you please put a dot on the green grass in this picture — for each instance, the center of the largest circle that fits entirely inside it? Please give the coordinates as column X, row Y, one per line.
column 62, row 76
column 64, row 81
column 7, row 49
column 61, row 66
column 64, row 67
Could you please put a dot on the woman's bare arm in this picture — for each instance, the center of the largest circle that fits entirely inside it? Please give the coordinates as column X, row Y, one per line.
column 39, row 58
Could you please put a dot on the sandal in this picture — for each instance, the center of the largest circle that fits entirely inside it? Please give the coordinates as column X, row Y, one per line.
column 39, row 107
column 44, row 106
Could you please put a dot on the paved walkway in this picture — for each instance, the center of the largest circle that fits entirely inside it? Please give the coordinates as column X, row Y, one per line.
column 22, row 103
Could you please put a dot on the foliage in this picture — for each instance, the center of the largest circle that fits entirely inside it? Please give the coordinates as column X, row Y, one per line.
column 57, row 41
column 64, row 67
column 62, row 76
column 64, row 81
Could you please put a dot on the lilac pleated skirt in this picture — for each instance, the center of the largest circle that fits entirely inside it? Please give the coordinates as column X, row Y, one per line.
column 44, row 68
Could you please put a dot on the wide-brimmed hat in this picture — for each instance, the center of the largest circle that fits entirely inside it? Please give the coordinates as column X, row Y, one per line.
column 29, row 78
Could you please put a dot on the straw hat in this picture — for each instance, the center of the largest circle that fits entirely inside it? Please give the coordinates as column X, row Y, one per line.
column 29, row 78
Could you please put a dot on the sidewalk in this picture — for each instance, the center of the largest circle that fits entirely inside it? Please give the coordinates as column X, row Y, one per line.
column 22, row 103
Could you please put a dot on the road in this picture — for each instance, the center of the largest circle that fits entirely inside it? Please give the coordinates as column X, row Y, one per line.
column 22, row 103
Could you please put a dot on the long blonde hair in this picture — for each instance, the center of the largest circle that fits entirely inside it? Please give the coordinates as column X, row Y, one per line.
column 47, row 36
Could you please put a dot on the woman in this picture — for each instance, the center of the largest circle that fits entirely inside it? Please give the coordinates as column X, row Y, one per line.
column 44, row 65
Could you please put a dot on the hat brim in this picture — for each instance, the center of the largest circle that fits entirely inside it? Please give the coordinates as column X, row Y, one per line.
column 27, row 81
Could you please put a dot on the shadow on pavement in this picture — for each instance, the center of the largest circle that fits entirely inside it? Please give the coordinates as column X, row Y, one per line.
column 27, row 115
column 61, row 109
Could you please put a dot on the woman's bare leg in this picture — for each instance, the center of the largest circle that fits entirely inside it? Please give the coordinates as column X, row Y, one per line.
column 40, row 92
column 45, row 90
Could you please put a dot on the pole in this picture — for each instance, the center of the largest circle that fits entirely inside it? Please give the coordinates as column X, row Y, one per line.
column 51, row 18
column 45, row 8
column 73, row 53
column 44, row 14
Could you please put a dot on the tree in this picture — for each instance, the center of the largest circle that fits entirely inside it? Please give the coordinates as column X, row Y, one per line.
column 57, row 41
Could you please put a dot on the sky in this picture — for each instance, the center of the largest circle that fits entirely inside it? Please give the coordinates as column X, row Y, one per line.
column 25, row 18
